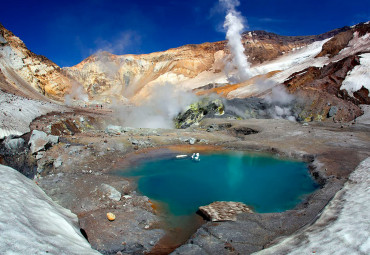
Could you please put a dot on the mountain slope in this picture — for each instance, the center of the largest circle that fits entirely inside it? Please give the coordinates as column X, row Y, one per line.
column 27, row 74
column 189, row 66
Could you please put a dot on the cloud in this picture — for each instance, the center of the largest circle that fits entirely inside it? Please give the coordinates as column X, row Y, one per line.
column 119, row 44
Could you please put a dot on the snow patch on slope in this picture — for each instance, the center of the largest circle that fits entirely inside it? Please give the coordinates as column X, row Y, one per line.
column 359, row 76
column 16, row 113
column 294, row 61
column 31, row 223
column 357, row 44
column 344, row 225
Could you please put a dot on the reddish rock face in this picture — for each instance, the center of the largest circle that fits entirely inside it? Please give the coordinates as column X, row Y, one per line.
column 321, row 88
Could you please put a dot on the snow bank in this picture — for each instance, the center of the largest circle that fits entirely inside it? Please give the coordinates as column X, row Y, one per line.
column 294, row 61
column 359, row 76
column 16, row 113
column 344, row 225
column 31, row 223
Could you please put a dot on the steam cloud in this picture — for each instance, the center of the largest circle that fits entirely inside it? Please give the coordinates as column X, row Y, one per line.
column 77, row 92
column 234, row 26
column 157, row 111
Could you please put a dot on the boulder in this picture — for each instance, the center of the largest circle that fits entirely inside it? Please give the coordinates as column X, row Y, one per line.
column 224, row 211
column 111, row 192
column 58, row 162
column 333, row 110
column 112, row 129
column 13, row 144
column 197, row 111
column 39, row 141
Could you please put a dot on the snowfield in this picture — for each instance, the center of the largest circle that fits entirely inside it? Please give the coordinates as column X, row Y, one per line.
column 31, row 223
column 342, row 228
column 17, row 113
column 359, row 76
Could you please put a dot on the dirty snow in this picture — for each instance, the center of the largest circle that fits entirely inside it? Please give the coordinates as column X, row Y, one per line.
column 357, row 44
column 16, row 113
column 342, row 228
column 365, row 118
column 359, row 76
column 31, row 223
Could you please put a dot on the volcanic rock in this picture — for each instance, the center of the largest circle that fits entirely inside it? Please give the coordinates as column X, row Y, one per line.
column 39, row 140
column 13, row 144
column 224, row 211
column 111, row 192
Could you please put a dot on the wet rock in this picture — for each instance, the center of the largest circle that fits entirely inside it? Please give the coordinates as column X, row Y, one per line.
column 224, row 211
column 13, row 144
column 111, row 192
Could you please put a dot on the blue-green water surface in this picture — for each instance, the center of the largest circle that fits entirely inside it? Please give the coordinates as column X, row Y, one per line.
column 266, row 183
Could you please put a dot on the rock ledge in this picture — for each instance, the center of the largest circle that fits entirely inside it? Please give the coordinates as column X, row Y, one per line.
column 224, row 211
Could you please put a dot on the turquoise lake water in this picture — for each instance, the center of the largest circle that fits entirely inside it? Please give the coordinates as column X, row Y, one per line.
column 266, row 183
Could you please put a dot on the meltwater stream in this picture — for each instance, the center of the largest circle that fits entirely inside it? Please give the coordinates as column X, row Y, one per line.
column 265, row 183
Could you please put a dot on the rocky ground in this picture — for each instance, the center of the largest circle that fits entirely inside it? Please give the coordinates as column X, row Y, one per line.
column 76, row 171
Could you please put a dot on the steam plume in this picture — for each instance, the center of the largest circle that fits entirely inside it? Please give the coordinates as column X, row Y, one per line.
column 77, row 93
column 234, row 26
column 165, row 102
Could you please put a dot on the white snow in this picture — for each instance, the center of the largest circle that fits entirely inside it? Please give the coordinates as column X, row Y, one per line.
column 16, row 113
column 292, row 62
column 359, row 76
column 342, row 228
column 357, row 44
column 31, row 223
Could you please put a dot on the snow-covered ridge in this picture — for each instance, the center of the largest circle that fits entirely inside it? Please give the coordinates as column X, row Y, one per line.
column 31, row 223
column 344, row 225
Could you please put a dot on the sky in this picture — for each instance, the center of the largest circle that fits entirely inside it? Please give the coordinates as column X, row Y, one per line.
column 69, row 31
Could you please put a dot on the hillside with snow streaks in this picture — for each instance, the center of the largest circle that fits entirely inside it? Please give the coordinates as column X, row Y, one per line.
column 31, row 223
column 343, row 227
column 359, row 76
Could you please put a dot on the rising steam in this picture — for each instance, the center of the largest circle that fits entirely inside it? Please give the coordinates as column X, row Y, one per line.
column 76, row 94
column 234, row 26
column 158, row 110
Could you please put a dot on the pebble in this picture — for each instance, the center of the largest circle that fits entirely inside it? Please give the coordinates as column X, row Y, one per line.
column 111, row 216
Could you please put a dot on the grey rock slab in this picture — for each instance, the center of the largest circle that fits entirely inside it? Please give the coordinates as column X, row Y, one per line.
column 39, row 140
column 13, row 144
column 112, row 129
column 58, row 162
column 333, row 111
column 111, row 192
column 189, row 249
